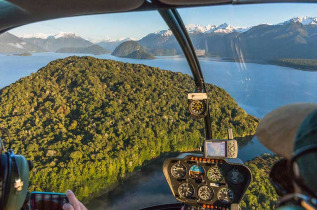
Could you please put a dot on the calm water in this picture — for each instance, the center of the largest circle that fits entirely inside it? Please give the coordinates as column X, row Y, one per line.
column 257, row 88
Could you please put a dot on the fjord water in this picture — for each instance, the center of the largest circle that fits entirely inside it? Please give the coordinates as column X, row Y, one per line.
column 257, row 88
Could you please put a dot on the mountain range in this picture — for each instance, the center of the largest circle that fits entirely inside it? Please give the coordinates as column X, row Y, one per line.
column 294, row 38
column 58, row 41
column 13, row 44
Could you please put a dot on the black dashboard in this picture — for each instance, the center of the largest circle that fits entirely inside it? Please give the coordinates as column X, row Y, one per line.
column 206, row 183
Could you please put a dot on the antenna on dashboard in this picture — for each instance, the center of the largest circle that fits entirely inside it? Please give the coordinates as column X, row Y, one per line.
column 230, row 133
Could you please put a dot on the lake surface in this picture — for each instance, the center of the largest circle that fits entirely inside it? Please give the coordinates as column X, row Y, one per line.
column 257, row 88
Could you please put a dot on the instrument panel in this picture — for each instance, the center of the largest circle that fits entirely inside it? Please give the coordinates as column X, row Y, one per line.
column 206, row 183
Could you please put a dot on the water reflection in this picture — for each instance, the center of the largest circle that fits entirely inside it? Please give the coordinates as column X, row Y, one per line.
column 145, row 188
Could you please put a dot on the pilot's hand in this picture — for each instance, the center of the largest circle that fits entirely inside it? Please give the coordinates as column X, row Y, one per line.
column 73, row 204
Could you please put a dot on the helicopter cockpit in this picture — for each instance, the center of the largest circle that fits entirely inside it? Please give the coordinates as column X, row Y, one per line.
column 103, row 117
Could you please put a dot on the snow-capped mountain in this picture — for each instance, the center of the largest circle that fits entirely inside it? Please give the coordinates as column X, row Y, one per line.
column 164, row 33
column 207, row 37
column 38, row 36
column 65, row 35
column 303, row 20
column 12, row 44
column 191, row 28
column 217, row 40
column 57, row 41
column 121, row 39
column 196, row 29
column 226, row 28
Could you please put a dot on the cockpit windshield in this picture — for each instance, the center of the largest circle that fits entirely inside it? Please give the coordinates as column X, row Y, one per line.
column 98, row 102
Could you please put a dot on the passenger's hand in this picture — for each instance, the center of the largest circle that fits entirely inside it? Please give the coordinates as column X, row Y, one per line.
column 73, row 204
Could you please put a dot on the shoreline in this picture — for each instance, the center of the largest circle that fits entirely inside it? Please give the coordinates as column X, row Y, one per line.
column 273, row 62
column 145, row 165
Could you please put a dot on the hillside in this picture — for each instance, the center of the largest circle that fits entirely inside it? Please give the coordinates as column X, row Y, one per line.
column 93, row 49
column 87, row 122
column 126, row 48
column 13, row 44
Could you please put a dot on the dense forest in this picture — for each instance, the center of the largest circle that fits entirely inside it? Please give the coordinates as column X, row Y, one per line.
column 261, row 194
column 87, row 122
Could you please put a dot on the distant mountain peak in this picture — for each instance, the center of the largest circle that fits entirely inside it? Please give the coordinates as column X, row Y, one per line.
column 45, row 36
column 164, row 33
column 307, row 20
column 121, row 39
column 194, row 28
column 38, row 36
column 65, row 35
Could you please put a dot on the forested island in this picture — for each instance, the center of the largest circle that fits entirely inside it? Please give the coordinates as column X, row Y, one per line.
column 86, row 123
column 302, row 64
column 132, row 49
column 22, row 54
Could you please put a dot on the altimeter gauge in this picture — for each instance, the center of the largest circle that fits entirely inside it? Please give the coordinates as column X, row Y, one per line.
column 186, row 190
column 205, row 193
column 225, row 195
column 235, row 176
column 197, row 104
column 178, row 170
column 214, row 174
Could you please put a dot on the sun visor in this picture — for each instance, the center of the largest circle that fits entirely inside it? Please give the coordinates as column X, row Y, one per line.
column 76, row 7
column 19, row 12
column 193, row 2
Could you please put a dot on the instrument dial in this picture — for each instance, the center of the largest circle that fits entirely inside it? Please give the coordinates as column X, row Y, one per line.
column 235, row 176
column 197, row 107
column 225, row 195
column 214, row 174
column 186, row 190
column 178, row 170
column 196, row 172
column 205, row 193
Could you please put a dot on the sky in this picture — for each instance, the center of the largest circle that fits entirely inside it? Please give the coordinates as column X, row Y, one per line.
column 138, row 24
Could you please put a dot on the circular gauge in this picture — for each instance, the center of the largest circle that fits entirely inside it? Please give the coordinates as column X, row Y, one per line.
column 214, row 174
column 197, row 107
column 225, row 195
column 235, row 176
column 196, row 172
column 205, row 193
column 186, row 190
column 178, row 170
